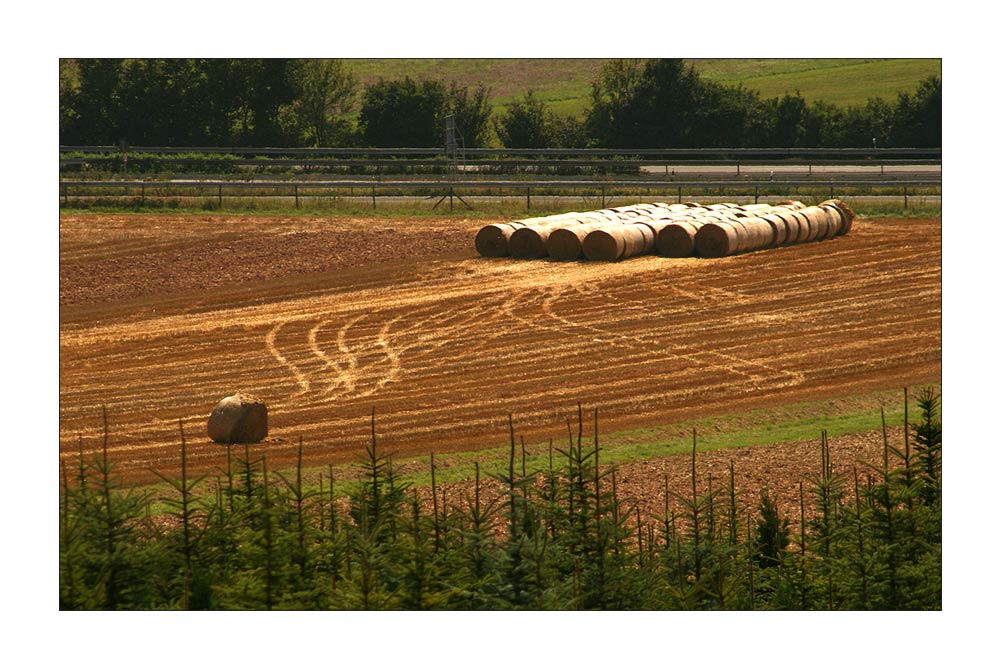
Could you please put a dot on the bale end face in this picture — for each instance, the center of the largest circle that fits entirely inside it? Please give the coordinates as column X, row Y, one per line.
column 846, row 213
column 564, row 244
column 527, row 244
column 492, row 240
column 676, row 240
column 604, row 245
column 715, row 240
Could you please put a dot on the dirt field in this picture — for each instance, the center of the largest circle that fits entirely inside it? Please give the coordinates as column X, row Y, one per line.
column 162, row 316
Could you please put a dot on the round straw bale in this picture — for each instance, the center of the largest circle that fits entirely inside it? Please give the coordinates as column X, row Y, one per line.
column 760, row 234
column 817, row 222
column 492, row 240
column 633, row 237
column 816, row 225
column 566, row 243
column 803, row 226
column 779, row 226
column 837, row 216
column 757, row 234
column 528, row 243
column 716, row 239
column 677, row 239
column 794, row 224
column 605, row 244
column 644, row 238
column 832, row 223
column 847, row 214
column 770, row 232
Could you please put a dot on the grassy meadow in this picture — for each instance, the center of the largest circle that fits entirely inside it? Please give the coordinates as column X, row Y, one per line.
column 564, row 83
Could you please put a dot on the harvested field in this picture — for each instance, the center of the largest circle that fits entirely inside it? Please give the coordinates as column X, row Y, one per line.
column 327, row 320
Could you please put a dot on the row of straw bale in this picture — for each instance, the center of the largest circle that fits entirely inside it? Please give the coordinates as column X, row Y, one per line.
column 671, row 230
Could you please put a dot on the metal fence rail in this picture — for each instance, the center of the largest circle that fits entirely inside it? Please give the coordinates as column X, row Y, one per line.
column 880, row 182
column 456, row 188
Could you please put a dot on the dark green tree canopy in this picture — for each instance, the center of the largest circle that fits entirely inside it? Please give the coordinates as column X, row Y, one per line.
column 657, row 103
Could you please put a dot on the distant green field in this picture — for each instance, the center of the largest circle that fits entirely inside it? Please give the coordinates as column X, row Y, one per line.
column 844, row 81
column 564, row 84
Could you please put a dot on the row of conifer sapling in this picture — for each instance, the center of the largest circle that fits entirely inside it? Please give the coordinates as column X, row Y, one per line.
column 671, row 230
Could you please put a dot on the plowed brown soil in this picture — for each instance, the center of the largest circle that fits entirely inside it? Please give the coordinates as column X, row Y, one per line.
column 330, row 319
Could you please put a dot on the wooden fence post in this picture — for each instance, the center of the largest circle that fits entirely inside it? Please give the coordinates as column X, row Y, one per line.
column 296, row 197
column 220, row 195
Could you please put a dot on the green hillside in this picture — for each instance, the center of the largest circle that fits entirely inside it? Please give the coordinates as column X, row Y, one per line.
column 842, row 81
column 564, row 84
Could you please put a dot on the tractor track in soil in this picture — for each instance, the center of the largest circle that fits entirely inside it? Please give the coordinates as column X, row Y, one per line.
column 329, row 319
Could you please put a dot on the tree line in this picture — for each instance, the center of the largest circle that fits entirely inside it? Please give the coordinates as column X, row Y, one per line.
column 560, row 538
column 661, row 103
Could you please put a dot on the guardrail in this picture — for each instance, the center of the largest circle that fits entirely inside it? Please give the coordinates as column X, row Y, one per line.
column 455, row 187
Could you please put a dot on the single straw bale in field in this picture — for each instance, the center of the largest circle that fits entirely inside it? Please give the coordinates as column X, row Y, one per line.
column 606, row 244
column 768, row 233
column 566, row 243
column 803, row 222
column 815, row 229
column 829, row 224
column 492, row 240
column 716, row 239
column 677, row 238
column 832, row 218
column 750, row 237
column 836, row 215
column 528, row 243
column 791, row 224
column 779, row 227
column 645, row 240
column 817, row 222
column 638, row 240
column 846, row 213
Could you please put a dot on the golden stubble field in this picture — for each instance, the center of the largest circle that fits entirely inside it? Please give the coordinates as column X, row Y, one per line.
column 329, row 319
